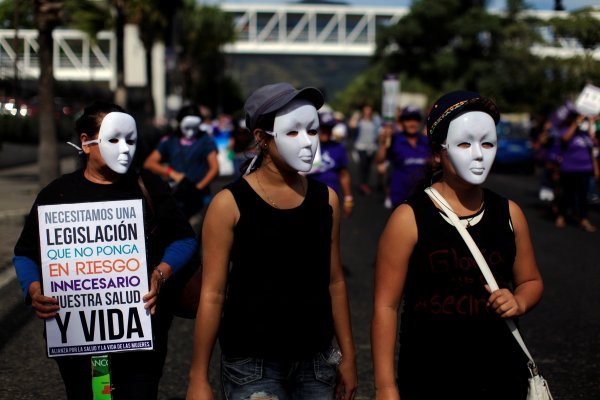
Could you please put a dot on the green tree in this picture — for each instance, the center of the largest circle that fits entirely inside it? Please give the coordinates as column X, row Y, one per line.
column 582, row 27
column 440, row 51
column 204, row 32
column 478, row 51
column 26, row 19
column 153, row 18
column 514, row 76
column 91, row 17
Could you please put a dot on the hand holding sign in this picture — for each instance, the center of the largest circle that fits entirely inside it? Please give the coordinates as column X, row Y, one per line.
column 45, row 307
column 157, row 279
column 588, row 102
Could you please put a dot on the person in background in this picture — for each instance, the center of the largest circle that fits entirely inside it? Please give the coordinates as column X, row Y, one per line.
column 383, row 164
column 593, row 194
column 367, row 129
column 339, row 132
column 273, row 290
column 578, row 165
column 188, row 160
column 454, row 343
column 544, row 140
column 332, row 168
column 408, row 153
column 240, row 145
column 108, row 139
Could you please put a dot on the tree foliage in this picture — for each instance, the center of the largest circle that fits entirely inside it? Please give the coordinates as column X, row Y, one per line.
column 89, row 16
column 581, row 26
column 204, row 32
column 443, row 45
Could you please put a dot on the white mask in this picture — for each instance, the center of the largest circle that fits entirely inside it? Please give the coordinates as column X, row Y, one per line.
column 117, row 141
column 189, row 125
column 296, row 131
column 471, row 144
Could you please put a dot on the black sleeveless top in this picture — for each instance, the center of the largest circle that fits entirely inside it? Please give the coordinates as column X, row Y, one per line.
column 447, row 332
column 278, row 303
column 444, row 281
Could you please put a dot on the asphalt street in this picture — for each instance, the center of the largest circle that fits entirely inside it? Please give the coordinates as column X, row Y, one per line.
column 563, row 332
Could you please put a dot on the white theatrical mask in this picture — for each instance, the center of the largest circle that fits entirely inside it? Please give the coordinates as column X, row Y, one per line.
column 471, row 144
column 117, row 141
column 189, row 125
column 296, row 131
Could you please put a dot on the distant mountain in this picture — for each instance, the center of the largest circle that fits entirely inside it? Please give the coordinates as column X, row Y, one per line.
column 331, row 74
column 330, row 2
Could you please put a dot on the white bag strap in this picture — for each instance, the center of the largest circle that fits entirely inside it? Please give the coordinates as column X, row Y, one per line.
column 436, row 197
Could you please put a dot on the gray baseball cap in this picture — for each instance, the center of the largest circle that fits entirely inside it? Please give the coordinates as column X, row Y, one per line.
column 272, row 97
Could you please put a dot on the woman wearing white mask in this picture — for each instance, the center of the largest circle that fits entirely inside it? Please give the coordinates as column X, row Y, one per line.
column 108, row 142
column 453, row 340
column 188, row 160
column 279, row 305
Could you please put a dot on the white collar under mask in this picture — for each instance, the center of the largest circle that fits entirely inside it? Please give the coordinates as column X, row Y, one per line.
column 296, row 132
column 190, row 125
column 117, row 141
column 471, row 145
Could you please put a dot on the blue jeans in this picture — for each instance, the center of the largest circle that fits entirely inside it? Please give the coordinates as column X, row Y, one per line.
column 266, row 379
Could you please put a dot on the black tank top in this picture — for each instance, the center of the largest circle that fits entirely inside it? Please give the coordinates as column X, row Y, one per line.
column 278, row 303
column 444, row 281
column 447, row 332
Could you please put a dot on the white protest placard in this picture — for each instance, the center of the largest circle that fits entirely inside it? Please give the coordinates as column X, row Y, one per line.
column 94, row 263
column 588, row 102
column 390, row 97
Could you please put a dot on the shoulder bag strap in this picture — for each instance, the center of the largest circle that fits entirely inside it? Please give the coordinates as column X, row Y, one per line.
column 436, row 197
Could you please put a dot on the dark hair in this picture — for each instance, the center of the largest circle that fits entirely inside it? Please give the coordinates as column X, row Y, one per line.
column 265, row 122
column 89, row 122
column 449, row 106
column 190, row 109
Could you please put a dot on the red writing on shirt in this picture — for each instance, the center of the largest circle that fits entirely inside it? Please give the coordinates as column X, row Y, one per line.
column 467, row 305
column 447, row 260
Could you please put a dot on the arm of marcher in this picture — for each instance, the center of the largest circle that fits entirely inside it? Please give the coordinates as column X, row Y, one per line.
column 217, row 239
column 211, row 174
column 394, row 250
column 527, row 278
column 341, row 309
column 154, row 163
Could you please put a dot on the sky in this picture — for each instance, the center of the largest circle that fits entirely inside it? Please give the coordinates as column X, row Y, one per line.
column 494, row 4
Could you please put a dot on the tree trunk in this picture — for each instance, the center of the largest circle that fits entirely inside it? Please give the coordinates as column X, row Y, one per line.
column 121, row 91
column 148, row 98
column 47, row 147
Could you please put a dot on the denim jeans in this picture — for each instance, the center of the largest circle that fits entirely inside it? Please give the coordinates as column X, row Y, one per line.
column 266, row 379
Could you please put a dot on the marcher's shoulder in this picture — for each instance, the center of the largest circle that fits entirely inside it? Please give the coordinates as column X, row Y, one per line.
column 224, row 203
column 53, row 192
column 210, row 142
column 403, row 221
column 515, row 209
column 166, row 138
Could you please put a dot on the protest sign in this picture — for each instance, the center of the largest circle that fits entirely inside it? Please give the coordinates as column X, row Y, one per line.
column 94, row 263
column 390, row 97
column 588, row 102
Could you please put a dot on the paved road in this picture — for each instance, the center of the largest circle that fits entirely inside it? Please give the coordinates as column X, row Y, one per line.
column 563, row 332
